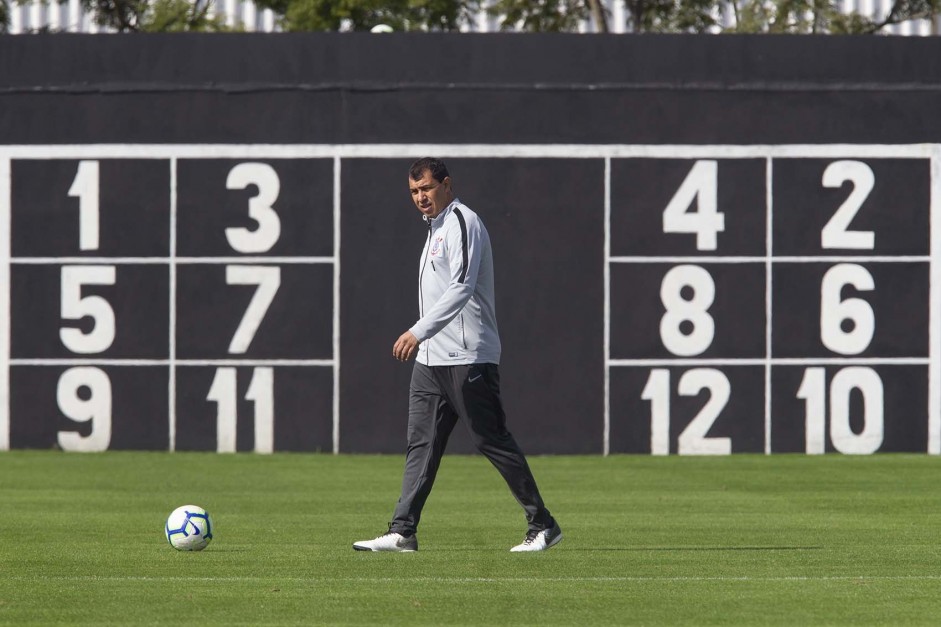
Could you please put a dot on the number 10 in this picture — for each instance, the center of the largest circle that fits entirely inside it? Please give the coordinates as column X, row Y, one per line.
column 813, row 391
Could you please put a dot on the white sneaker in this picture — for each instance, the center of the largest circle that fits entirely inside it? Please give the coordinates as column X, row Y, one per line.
column 539, row 540
column 389, row 542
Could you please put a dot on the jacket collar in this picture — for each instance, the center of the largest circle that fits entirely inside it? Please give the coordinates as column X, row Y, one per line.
column 438, row 220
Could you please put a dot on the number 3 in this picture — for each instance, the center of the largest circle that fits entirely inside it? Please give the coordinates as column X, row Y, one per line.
column 264, row 177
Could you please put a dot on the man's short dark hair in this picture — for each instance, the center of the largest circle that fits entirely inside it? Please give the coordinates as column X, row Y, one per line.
column 436, row 166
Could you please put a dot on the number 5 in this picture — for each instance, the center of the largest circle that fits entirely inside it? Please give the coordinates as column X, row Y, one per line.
column 75, row 307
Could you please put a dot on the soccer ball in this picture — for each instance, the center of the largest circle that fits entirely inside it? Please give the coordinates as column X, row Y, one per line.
column 189, row 528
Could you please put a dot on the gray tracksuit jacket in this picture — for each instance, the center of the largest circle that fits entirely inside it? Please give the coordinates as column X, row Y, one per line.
column 458, row 321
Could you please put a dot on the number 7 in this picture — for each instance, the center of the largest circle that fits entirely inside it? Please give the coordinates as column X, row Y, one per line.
column 268, row 280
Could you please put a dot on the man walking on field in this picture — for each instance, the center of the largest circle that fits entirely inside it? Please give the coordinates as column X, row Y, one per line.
column 457, row 350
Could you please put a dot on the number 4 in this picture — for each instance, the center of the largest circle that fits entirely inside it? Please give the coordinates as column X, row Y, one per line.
column 706, row 222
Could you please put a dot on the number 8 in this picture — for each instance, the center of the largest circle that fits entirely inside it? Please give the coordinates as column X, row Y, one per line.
column 693, row 310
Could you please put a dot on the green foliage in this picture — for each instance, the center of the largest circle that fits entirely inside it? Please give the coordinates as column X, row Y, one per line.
column 643, row 16
column 167, row 16
column 121, row 15
column 362, row 15
column 140, row 15
column 547, row 16
column 667, row 16
column 822, row 16
column 796, row 16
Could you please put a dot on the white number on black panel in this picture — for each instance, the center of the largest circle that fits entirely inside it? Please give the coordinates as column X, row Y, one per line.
column 700, row 187
column 74, row 306
column 693, row 439
column 84, row 395
column 836, row 233
column 85, row 188
column 813, row 391
column 686, row 328
column 224, row 394
column 268, row 280
column 846, row 324
column 260, row 208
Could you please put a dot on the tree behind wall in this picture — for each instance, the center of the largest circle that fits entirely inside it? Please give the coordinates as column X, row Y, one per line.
column 123, row 16
column 643, row 16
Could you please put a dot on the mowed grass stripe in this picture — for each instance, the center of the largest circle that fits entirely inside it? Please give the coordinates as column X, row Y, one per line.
column 740, row 540
column 528, row 580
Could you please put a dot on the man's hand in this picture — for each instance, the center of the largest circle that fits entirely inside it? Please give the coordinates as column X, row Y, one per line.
column 405, row 347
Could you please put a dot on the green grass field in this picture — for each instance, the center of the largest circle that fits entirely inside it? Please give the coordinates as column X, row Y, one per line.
column 744, row 540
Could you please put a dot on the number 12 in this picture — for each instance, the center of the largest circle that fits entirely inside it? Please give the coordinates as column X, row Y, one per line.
column 692, row 440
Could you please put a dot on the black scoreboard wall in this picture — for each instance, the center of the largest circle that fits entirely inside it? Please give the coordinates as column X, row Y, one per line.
column 704, row 245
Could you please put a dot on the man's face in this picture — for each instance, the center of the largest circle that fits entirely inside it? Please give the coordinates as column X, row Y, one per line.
column 430, row 196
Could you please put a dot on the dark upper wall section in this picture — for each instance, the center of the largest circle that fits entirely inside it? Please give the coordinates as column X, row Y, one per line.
column 403, row 88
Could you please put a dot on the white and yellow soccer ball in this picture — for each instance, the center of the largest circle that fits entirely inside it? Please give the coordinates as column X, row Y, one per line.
column 189, row 528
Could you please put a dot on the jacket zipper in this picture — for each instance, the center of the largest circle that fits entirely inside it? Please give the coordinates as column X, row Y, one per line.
column 421, row 273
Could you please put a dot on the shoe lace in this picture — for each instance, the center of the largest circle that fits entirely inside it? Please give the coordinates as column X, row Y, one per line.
column 530, row 536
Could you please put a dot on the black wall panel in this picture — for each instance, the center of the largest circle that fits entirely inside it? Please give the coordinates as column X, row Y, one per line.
column 239, row 204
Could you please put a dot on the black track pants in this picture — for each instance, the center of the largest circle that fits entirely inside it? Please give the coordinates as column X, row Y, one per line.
column 438, row 395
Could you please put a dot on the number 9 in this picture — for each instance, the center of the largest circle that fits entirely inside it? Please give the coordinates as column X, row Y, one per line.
column 96, row 408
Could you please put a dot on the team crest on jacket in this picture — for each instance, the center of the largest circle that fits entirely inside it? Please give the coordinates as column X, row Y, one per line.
column 436, row 247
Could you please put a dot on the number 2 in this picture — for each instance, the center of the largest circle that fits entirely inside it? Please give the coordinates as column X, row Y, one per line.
column 836, row 233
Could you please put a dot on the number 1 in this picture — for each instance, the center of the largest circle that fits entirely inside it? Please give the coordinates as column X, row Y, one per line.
column 85, row 188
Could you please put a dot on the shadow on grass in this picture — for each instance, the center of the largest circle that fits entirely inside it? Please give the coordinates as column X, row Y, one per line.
column 695, row 548
column 563, row 547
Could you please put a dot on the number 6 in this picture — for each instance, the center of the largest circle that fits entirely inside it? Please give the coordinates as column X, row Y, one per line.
column 834, row 311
